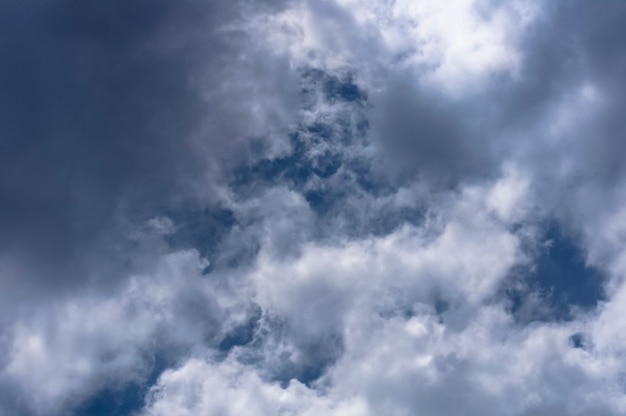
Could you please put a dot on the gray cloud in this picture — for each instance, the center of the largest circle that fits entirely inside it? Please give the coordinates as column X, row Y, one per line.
column 112, row 113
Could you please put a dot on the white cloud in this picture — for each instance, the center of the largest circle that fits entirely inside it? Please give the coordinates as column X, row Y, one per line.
column 463, row 264
column 399, row 354
column 398, row 367
column 229, row 388
column 509, row 196
column 68, row 349
column 454, row 45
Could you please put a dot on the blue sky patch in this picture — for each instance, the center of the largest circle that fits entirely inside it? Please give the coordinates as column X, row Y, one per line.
column 559, row 281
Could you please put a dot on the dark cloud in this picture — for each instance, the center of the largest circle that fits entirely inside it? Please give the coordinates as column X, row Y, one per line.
column 573, row 45
column 434, row 140
column 100, row 114
column 91, row 113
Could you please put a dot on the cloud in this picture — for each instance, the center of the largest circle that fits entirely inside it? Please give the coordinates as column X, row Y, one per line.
column 113, row 113
column 230, row 389
column 304, row 208
column 60, row 357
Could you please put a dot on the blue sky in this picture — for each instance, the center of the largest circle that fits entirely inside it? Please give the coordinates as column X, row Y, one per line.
column 312, row 207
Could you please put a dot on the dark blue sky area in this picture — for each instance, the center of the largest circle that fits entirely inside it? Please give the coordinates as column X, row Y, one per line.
column 560, row 278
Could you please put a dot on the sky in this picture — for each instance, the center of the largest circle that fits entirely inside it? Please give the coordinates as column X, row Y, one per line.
column 312, row 207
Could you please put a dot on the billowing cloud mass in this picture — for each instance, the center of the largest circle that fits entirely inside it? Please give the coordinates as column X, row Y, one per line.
column 312, row 207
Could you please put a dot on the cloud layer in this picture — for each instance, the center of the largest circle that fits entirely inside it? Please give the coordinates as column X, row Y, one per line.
column 312, row 208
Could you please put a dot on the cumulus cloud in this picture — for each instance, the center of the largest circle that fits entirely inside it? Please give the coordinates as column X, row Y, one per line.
column 312, row 207
column 66, row 350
